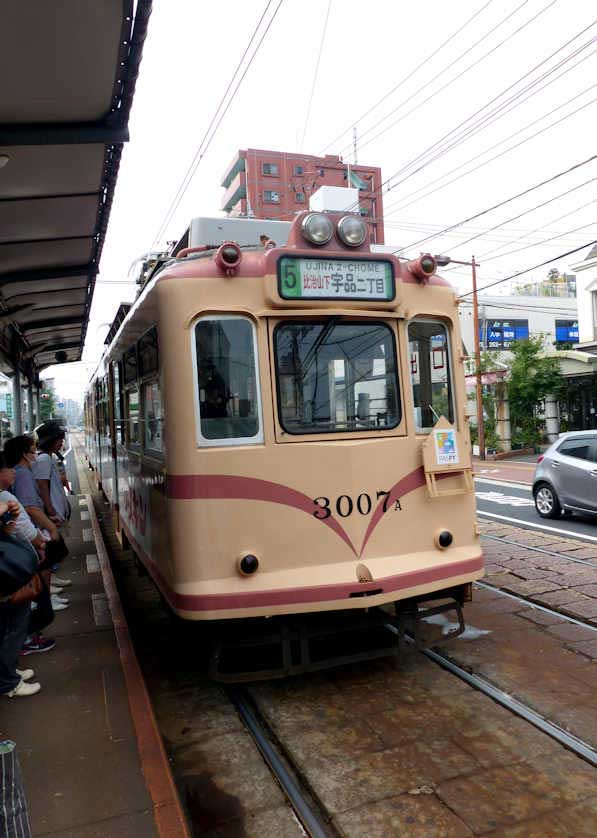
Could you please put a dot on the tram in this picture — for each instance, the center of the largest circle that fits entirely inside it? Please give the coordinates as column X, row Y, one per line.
column 279, row 424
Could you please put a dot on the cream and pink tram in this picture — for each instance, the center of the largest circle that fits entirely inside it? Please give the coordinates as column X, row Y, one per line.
column 280, row 425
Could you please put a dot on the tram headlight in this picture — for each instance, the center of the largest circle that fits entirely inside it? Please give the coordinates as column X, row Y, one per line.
column 248, row 565
column 352, row 230
column 443, row 539
column 317, row 228
column 423, row 267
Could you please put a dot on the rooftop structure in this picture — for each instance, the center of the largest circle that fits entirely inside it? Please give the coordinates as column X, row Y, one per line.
column 277, row 185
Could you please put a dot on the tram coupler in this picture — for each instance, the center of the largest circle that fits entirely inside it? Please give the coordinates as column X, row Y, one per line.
column 410, row 617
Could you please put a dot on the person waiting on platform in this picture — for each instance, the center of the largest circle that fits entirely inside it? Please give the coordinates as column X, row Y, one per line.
column 21, row 453
column 24, row 527
column 14, row 616
column 50, row 437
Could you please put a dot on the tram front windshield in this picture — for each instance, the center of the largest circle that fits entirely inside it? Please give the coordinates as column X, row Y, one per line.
column 336, row 377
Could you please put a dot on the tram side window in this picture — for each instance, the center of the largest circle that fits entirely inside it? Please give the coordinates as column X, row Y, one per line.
column 336, row 377
column 430, row 374
column 227, row 379
column 148, row 352
column 132, row 414
column 130, row 365
column 152, row 416
column 118, row 412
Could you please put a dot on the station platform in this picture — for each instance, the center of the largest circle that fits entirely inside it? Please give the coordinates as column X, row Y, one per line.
column 92, row 760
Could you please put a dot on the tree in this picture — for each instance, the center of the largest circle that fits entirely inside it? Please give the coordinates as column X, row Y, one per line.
column 47, row 403
column 492, row 441
column 532, row 377
column 553, row 274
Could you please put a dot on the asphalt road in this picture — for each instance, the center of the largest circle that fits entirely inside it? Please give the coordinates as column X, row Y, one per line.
column 513, row 504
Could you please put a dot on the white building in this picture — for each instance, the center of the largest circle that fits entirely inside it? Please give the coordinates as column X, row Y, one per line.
column 586, row 285
column 504, row 319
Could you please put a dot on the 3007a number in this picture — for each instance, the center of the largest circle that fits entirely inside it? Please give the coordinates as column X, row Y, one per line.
column 345, row 505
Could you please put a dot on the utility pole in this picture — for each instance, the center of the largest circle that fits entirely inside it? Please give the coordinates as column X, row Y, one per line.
column 447, row 260
column 478, row 372
column 354, row 143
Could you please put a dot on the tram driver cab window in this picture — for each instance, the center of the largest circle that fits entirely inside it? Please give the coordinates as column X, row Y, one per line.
column 227, row 381
column 336, row 377
column 430, row 374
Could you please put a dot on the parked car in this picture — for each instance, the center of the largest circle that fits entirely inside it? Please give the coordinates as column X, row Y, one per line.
column 566, row 476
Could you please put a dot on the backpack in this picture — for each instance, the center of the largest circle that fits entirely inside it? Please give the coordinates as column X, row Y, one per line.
column 18, row 563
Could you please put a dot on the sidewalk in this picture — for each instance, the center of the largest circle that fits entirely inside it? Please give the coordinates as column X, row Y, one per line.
column 511, row 472
column 76, row 740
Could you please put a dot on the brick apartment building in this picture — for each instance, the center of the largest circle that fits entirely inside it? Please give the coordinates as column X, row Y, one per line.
column 277, row 185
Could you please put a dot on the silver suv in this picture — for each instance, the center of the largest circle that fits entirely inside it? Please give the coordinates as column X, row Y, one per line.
column 566, row 476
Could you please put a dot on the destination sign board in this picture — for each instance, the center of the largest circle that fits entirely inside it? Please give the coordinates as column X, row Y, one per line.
column 309, row 278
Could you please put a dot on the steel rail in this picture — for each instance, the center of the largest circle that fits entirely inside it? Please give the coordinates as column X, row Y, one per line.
column 554, row 553
column 583, row 749
column 565, row 738
column 535, row 605
column 309, row 818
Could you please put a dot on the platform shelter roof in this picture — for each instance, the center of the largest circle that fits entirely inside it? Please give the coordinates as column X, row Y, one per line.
column 69, row 71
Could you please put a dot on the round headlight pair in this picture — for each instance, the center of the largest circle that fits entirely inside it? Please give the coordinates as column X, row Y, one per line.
column 318, row 228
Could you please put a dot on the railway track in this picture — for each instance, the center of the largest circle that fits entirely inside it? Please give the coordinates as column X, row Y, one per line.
column 535, row 605
column 307, row 798
column 306, row 808
column 564, row 737
column 568, row 740
column 553, row 553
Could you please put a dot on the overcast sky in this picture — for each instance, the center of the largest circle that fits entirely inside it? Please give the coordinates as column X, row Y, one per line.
column 369, row 49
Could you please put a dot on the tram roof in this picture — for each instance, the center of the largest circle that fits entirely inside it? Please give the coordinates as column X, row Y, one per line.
column 72, row 68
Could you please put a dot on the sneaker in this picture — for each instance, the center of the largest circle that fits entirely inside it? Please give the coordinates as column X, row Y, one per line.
column 58, row 604
column 25, row 674
column 62, row 583
column 55, row 589
column 23, row 688
column 37, row 643
column 61, row 600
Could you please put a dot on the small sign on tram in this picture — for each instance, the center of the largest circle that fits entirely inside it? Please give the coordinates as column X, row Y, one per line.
column 446, row 449
column 305, row 278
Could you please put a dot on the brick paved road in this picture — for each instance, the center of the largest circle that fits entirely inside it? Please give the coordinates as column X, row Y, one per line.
column 553, row 581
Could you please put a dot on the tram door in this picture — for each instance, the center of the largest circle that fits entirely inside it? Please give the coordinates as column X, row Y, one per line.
column 104, row 438
column 116, row 426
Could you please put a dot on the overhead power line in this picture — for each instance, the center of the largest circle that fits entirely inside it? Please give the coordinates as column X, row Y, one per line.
column 499, row 112
column 479, row 120
column 528, row 211
column 316, row 73
column 219, row 113
column 409, row 76
column 483, row 120
column 560, row 312
column 532, row 268
column 538, row 229
column 543, row 241
column 403, row 203
column 503, row 203
column 419, row 104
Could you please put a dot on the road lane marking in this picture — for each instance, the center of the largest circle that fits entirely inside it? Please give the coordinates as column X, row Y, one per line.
column 504, row 500
column 509, row 484
column 530, row 525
